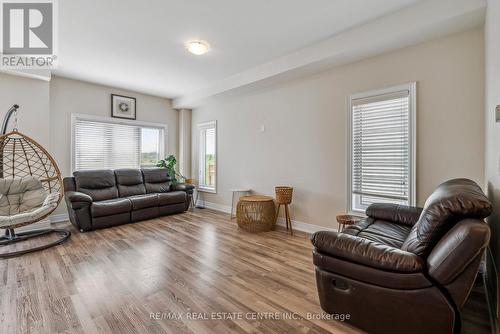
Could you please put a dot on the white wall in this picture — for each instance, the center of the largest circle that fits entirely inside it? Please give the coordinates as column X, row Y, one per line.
column 184, row 157
column 304, row 144
column 70, row 96
column 32, row 96
column 492, row 134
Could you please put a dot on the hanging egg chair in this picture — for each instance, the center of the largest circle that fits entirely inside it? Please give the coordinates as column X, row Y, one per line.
column 30, row 189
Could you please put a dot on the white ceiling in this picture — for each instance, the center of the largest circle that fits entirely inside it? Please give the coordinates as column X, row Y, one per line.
column 424, row 21
column 139, row 45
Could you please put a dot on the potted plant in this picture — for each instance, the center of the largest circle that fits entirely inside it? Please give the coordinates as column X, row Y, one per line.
column 169, row 164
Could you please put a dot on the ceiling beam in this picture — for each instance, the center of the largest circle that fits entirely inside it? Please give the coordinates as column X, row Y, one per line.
column 422, row 22
column 44, row 75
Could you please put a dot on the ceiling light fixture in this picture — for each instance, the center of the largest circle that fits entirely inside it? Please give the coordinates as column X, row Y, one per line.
column 198, row 47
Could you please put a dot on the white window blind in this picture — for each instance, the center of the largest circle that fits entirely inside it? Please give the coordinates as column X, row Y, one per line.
column 108, row 145
column 381, row 149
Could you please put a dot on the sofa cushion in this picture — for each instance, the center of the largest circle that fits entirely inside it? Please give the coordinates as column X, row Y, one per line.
column 366, row 274
column 129, row 182
column 451, row 202
column 144, row 201
column 366, row 252
column 173, row 197
column 98, row 184
column 111, row 207
column 156, row 180
column 381, row 231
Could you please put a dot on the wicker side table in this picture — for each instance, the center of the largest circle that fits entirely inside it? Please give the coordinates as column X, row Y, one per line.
column 256, row 213
column 344, row 220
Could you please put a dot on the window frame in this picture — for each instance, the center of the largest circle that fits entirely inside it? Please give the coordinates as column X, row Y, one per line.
column 201, row 153
column 412, row 139
column 113, row 120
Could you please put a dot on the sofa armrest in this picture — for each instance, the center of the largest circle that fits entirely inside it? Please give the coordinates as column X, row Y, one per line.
column 366, row 252
column 183, row 187
column 401, row 214
column 78, row 197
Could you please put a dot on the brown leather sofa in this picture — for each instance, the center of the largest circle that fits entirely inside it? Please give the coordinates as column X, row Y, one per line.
column 406, row 269
column 103, row 198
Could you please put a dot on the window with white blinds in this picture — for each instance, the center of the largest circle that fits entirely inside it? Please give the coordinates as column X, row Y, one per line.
column 102, row 143
column 382, row 148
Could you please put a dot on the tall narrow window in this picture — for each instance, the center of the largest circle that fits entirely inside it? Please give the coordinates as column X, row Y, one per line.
column 207, row 156
column 102, row 143
column 382, row 148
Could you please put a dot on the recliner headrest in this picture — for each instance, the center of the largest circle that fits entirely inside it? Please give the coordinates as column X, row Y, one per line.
column 128, row 176
column 156, row 180
column 451, row 202
column 155, row 175
column 98, row 184
column 94, row 179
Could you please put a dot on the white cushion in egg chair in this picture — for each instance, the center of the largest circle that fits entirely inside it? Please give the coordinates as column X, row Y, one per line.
column 24, row 201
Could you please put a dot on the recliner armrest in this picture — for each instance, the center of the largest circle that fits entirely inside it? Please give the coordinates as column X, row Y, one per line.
column 401, row 214
column 457, row 249
column 75, row 196
column 183, row 187
column 366, row 252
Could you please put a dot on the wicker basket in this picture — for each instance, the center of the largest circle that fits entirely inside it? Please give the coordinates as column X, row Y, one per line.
column 283, row 194
column 256, row 213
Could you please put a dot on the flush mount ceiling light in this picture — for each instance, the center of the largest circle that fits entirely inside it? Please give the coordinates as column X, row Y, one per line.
column 198, row 47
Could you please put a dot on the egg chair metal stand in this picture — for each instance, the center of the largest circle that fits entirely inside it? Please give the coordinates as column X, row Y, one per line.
column 30, row 189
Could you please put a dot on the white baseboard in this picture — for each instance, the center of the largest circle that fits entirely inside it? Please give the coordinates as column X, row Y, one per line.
column 305, row 227
column 297, row 225
column 62, row 217
column 214, row 206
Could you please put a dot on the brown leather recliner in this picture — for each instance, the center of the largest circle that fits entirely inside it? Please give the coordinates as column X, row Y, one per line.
column 406, row 269
column 104, row 198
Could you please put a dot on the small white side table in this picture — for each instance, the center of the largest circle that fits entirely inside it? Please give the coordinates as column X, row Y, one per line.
column 237, row 191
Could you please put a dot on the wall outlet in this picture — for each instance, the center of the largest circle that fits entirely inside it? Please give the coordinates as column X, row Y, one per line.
column 497, row 113
column 262, row 128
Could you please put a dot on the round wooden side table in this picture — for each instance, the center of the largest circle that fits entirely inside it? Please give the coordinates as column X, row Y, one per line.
column 344, row 220
column 256, row 213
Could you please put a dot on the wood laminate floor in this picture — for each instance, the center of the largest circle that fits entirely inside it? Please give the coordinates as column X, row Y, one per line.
column 173, row 274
